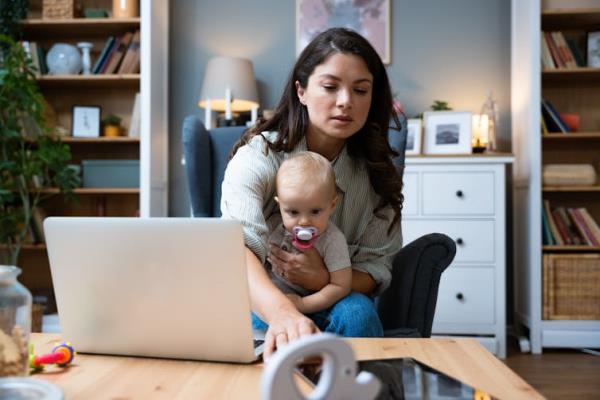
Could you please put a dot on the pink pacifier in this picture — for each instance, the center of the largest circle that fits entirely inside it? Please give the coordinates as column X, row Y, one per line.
column 304, row 237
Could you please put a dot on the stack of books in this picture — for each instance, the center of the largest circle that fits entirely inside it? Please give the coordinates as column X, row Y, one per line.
column 560, row 52
column 564, row 226
column 120, row 55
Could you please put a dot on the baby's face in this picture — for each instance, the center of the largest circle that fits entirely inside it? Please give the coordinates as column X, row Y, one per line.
column 305, row 206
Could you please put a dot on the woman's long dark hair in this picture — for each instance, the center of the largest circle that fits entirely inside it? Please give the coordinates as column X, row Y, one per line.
column 370, row 142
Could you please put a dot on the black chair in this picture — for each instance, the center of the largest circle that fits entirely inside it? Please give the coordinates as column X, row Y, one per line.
column 407, row 307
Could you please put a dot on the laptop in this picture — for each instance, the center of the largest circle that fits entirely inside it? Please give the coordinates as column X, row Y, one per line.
column 154, row 287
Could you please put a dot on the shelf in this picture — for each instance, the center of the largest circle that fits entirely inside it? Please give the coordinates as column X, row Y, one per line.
column 565, row 19
column 570, row 74
column 77, row 27
column 570, row 248
column 98, row 140
column 594, row 188
column 83, row 191
column 559, row 136
column 29, row 246
column 90, row 81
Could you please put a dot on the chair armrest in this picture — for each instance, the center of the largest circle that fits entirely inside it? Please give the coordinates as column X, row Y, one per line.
column 198, row 161
column 410, row 300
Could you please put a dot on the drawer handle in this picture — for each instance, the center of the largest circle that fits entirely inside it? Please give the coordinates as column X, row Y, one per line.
column 459, row 241
column 459, row 193
column 459, row 296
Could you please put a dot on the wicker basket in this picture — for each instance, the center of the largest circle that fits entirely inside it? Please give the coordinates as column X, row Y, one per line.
column 571, row 287
column 58, row 9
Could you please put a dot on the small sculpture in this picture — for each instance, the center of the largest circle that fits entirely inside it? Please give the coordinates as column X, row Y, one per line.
column 61, row 355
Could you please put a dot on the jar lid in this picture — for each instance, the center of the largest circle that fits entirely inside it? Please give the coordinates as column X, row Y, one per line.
column 22, row 388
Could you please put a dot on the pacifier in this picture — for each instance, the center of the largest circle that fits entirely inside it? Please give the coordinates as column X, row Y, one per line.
column 304, row 237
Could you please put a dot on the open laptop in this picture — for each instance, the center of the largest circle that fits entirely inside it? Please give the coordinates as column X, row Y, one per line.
column 155, row 287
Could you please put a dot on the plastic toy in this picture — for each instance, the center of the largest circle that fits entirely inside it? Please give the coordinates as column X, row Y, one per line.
column 61, row 355
column 304, row 237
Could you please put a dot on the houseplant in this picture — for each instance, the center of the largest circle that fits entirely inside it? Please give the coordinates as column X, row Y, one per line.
column 112, row 125
column 31, row 157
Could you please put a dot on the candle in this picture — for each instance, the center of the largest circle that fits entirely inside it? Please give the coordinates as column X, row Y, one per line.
column 481, row 126
column 254, row 114
column 228, row 104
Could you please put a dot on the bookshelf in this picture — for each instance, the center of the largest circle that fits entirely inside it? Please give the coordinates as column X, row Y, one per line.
column 570, row 90
column 115, row 94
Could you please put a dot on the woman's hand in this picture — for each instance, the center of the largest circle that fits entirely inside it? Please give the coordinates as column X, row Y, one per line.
column 286, row 326
column 305, row 269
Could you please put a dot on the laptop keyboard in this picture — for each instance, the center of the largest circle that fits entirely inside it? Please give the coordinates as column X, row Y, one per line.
column 258, row 342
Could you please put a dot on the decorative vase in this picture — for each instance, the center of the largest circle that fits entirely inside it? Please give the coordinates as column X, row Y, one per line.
column 112, row 131
column 15, row 323
column 125, row 8
column 85, row 59
column 63, row 59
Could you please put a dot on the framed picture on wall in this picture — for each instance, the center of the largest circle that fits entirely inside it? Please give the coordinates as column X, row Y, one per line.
column 413, row 136
column 447, row 132
column 85, row 121
column 370, row 18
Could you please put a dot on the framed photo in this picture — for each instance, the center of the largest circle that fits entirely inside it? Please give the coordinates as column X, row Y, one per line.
column 594, row 49
column 413, row 136
column 85, row 121
column 447, row 132
column 370, row 18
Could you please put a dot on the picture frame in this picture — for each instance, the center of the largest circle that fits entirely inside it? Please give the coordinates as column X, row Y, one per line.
column 447, row 132
column 371, row 19
column 85, row 121
column 414, row 133
column 593, row 49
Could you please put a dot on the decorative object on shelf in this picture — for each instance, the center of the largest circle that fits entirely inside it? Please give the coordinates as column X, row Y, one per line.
column 95, row 13
column 228, row 86
column 413, row 136
column 25, row 168
column 125, row 8
column 15, row 324
column 111, row 126
column 488, row 115
column 571, row 120
column 369, row 17
column 85, row 121
column 86, row 62
column 63, row 59
column 447, row 132
column 568, row 175
column 58, row 9
column 480, row 132
column 593, row 52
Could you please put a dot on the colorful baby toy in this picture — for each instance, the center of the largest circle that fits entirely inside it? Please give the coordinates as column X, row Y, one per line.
column 61, row 355
column 304, row 237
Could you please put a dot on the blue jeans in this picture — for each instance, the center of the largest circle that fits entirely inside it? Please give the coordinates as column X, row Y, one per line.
column 353, row 316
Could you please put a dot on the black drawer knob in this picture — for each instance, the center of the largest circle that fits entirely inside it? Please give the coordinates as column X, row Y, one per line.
column 459, row 193
column 459, row 241
column 459, row 296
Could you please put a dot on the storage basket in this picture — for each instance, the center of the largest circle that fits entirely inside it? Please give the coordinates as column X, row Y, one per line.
column 58, row 9
column 571, row 287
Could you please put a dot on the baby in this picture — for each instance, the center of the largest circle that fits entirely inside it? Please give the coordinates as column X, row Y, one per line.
column 307, row 195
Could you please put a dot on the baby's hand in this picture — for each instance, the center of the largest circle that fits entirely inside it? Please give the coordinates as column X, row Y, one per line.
column 296, row 300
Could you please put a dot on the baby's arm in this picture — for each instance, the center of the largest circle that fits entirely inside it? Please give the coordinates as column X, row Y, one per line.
column 338, row 287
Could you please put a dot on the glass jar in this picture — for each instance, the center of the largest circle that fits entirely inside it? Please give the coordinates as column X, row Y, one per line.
column 15, row 323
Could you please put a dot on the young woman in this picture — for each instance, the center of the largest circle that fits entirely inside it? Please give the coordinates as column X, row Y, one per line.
column 338, row 103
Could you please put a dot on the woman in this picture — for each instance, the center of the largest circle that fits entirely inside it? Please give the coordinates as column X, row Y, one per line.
column 338, row 103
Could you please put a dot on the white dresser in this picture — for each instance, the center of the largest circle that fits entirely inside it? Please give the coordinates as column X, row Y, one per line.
column 464, row 197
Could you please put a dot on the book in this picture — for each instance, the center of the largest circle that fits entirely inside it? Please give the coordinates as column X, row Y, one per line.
column 553, row 120
column 119, row 52
column 110, row 55
column 552, row 225
column 131, row 61
column 547, row 238
column 35, row 60
column 103, row 54
column 544, row 126
column 42, row 58
column 562, row 227
column 564, row 50
column 554, row 50
column 579, row 59
column 591, row 223
column 572, row 231
column 580, row 224
column 547, row 61
column 135, row 122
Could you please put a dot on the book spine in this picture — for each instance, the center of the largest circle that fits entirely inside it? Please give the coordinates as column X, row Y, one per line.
column 580, row 225
column 562, row 227
column 571, row 230
column 554, row 50
column 553, row 228
column 591, row 224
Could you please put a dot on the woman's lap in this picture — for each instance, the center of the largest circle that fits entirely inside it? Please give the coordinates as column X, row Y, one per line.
column 353, row 316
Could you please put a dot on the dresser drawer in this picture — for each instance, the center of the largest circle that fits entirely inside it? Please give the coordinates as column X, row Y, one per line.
column 466, row 296
column 458, row 193
column 474, row 239
column 410, row 190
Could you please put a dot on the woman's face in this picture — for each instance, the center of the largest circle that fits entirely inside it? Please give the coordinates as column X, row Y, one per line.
column 338, row 99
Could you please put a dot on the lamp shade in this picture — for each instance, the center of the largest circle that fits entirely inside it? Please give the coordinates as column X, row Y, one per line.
column 235, row 74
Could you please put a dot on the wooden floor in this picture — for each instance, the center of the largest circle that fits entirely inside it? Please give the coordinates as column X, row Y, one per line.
column 558, row 374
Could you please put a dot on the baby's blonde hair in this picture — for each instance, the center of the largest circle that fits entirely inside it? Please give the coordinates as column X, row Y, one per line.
column 307, row 169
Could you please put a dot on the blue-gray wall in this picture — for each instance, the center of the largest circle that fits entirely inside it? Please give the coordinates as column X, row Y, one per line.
column 453, row 50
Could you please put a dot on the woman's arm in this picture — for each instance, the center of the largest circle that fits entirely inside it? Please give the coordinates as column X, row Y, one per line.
column 335, row 290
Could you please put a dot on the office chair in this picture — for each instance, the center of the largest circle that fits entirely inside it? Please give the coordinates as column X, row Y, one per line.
column 407, row 306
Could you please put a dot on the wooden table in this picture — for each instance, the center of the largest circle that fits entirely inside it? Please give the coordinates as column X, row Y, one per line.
column 111, row 377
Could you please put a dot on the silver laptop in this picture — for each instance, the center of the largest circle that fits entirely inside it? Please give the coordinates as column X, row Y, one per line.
column 156, row 287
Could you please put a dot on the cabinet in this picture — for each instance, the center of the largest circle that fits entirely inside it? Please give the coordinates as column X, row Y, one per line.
column 464, row 198
column 115, row 94
column 575, row 90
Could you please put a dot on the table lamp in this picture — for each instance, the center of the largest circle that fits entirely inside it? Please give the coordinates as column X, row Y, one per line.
column 228, row 86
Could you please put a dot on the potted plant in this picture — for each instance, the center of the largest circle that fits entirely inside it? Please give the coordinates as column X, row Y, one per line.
column 112, row 125
column 31, row 157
